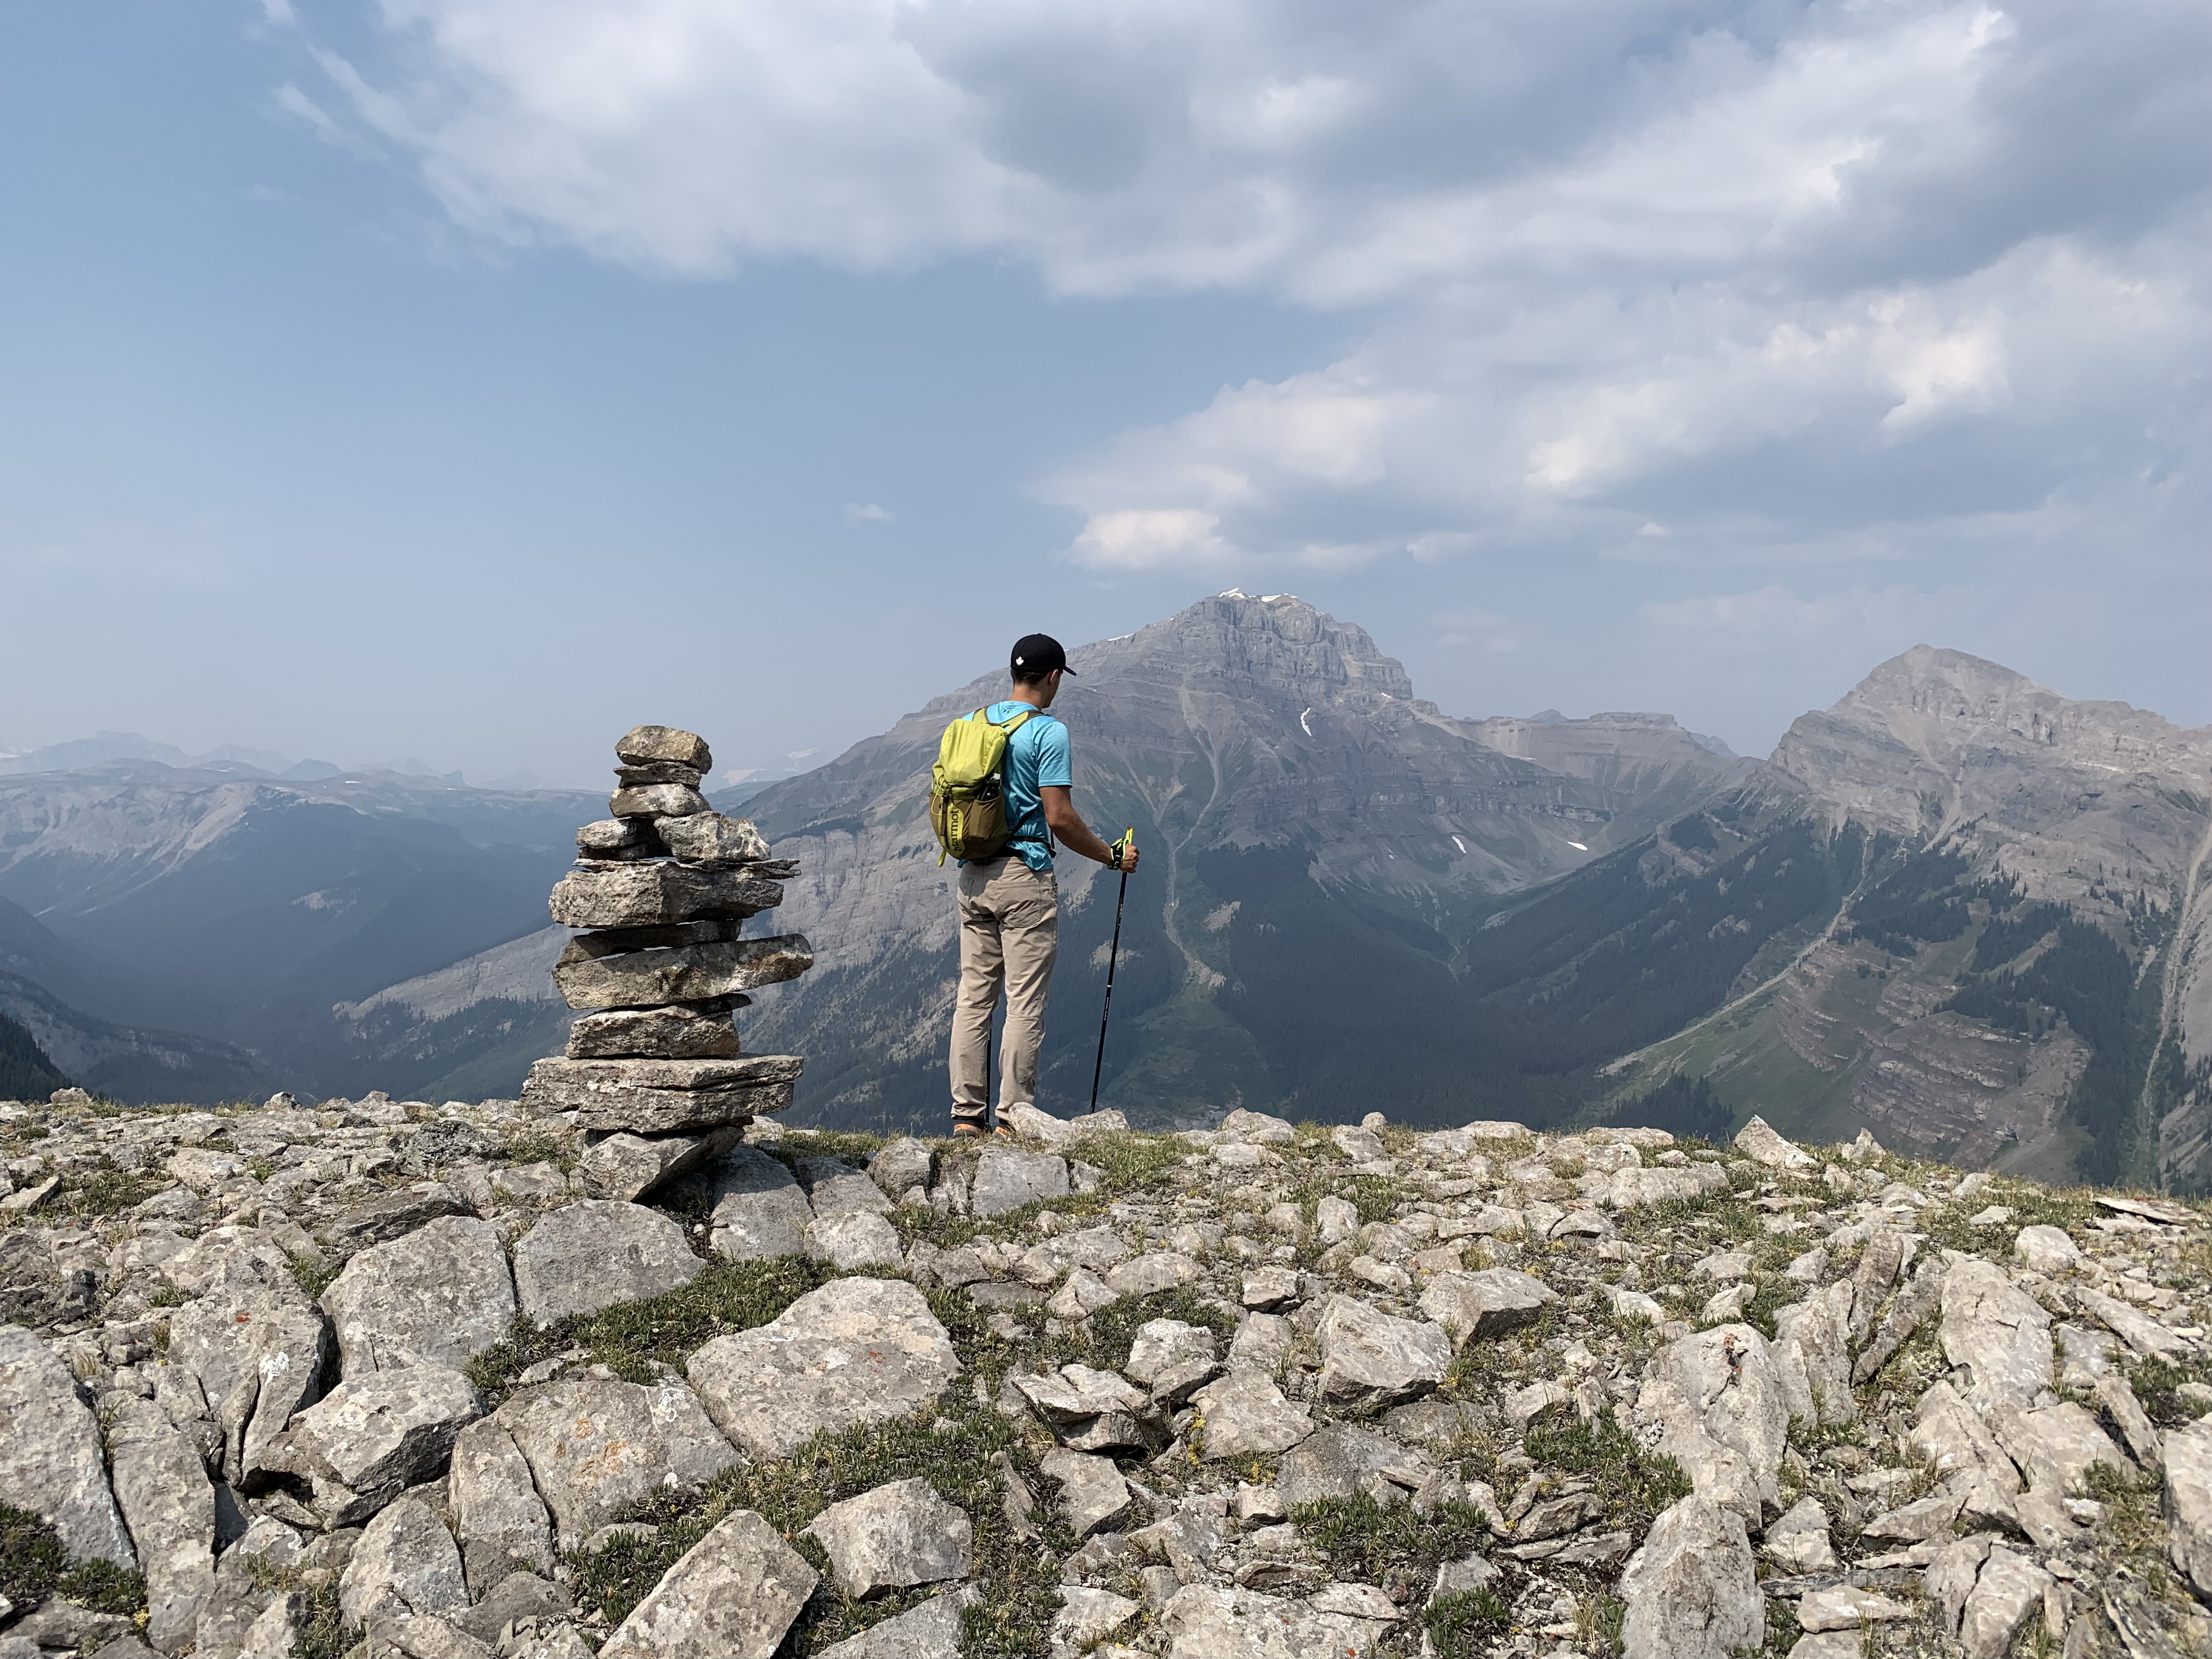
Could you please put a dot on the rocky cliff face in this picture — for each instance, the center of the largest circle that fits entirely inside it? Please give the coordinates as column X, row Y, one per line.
column 407, row 1379
column 2014, row 977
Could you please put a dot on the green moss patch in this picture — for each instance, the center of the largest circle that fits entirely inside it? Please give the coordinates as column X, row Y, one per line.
column 633, row 1338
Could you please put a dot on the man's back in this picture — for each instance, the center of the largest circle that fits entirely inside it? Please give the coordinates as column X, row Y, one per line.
column 1037, row 757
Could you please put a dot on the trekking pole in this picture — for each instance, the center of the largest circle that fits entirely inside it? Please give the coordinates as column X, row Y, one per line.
column 1113, row 955
column 990, row 1101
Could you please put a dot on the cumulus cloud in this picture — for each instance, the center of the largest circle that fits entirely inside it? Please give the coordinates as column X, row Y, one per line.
column 1831, row 280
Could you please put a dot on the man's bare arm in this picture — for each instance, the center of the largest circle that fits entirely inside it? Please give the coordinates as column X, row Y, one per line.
column 1074, row 834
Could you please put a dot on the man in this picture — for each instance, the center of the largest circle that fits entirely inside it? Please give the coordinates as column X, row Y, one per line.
column 1010, row 905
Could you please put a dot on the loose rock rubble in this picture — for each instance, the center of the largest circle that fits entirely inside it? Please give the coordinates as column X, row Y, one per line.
column 399, row 1378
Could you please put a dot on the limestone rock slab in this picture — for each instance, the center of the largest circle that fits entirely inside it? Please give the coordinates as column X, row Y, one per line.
column 835, row 1188
column 732, row 1596
column 1758, row 1142
column 376, row 1434
column 855, row 1351
column 583, row 1257
column 2056, row 1446
column 1692, row 1588
column 1007, row 1179
column 441, row 1295
column 1092, row 1493
column 1486, row 1304
column 1799, row 1541
column 596, row 1448
column 759, row 1208
column 931, row 1631
column 2146, row 1335
column 894, row 1537
column 662, row 1096
column 1998, row 1331
column 655, row 894
column 49, row 1457
column 166, row 1501
column 1172, row 1360
column 503, row 1523
column 694, row 973
column 657, row 800
column 641, row 745
column 2046, row 1250
column 619, row 838
column 1202, row 1622
column 1369, row 1357
column 2187, row 1453
column 1245, row 1415
column 1150, row 1273
column 1721, row 1399
column 1343, row 1459
column 405, row 1563
column 627, row 1167
column 901, row 1166
column 711, row 838
column 2009, row 1592
column 1813, row 1341
column 681, row 1031
column 852, row 1241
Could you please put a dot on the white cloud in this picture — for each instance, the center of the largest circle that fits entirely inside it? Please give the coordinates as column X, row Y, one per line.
column 1829, row 280
column 865, row 513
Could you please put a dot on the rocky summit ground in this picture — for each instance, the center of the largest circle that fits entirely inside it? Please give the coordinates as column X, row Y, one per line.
column 389, row 1377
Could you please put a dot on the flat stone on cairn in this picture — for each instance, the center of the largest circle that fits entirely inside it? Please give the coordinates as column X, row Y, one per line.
column 662, row 887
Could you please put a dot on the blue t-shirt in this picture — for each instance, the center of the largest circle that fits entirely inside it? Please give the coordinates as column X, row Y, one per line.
column 1036, row 754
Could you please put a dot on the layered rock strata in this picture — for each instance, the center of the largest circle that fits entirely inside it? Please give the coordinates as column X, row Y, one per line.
column 654, row 1071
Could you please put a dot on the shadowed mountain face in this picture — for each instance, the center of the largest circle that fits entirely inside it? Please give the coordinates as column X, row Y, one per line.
column 242, row 909
column 1316, row 839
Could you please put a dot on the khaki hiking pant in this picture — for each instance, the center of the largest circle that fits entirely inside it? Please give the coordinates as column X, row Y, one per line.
column 1009, row 935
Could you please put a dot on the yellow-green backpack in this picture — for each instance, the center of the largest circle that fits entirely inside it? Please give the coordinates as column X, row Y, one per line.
column 968, row 787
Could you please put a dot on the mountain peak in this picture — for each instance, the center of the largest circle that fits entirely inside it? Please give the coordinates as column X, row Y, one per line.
column 1278, row 641
column 1935, row 738
column 1931, row 677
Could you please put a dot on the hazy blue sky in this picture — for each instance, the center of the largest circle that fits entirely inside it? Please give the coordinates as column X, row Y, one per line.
column 471, row 378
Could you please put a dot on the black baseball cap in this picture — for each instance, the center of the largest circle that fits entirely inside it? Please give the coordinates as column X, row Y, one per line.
column 1035, row 655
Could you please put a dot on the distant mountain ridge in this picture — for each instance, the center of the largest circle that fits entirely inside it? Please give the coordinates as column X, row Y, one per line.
column 1956, row 907
column 242, row 909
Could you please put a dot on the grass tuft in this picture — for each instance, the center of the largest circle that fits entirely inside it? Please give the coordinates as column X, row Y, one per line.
column 104, row 1586
column 633, row 1338
column 323, row 1635
column 1365, row 1539
column 33, row 1564
column 538, row 1146
column 313, row 1272
column 1457, row 1623
column 32, row 1560
column 102, row 1190
column 1638, row 1484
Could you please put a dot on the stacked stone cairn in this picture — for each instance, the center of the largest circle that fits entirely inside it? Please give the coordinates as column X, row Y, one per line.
column 654, row 1074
